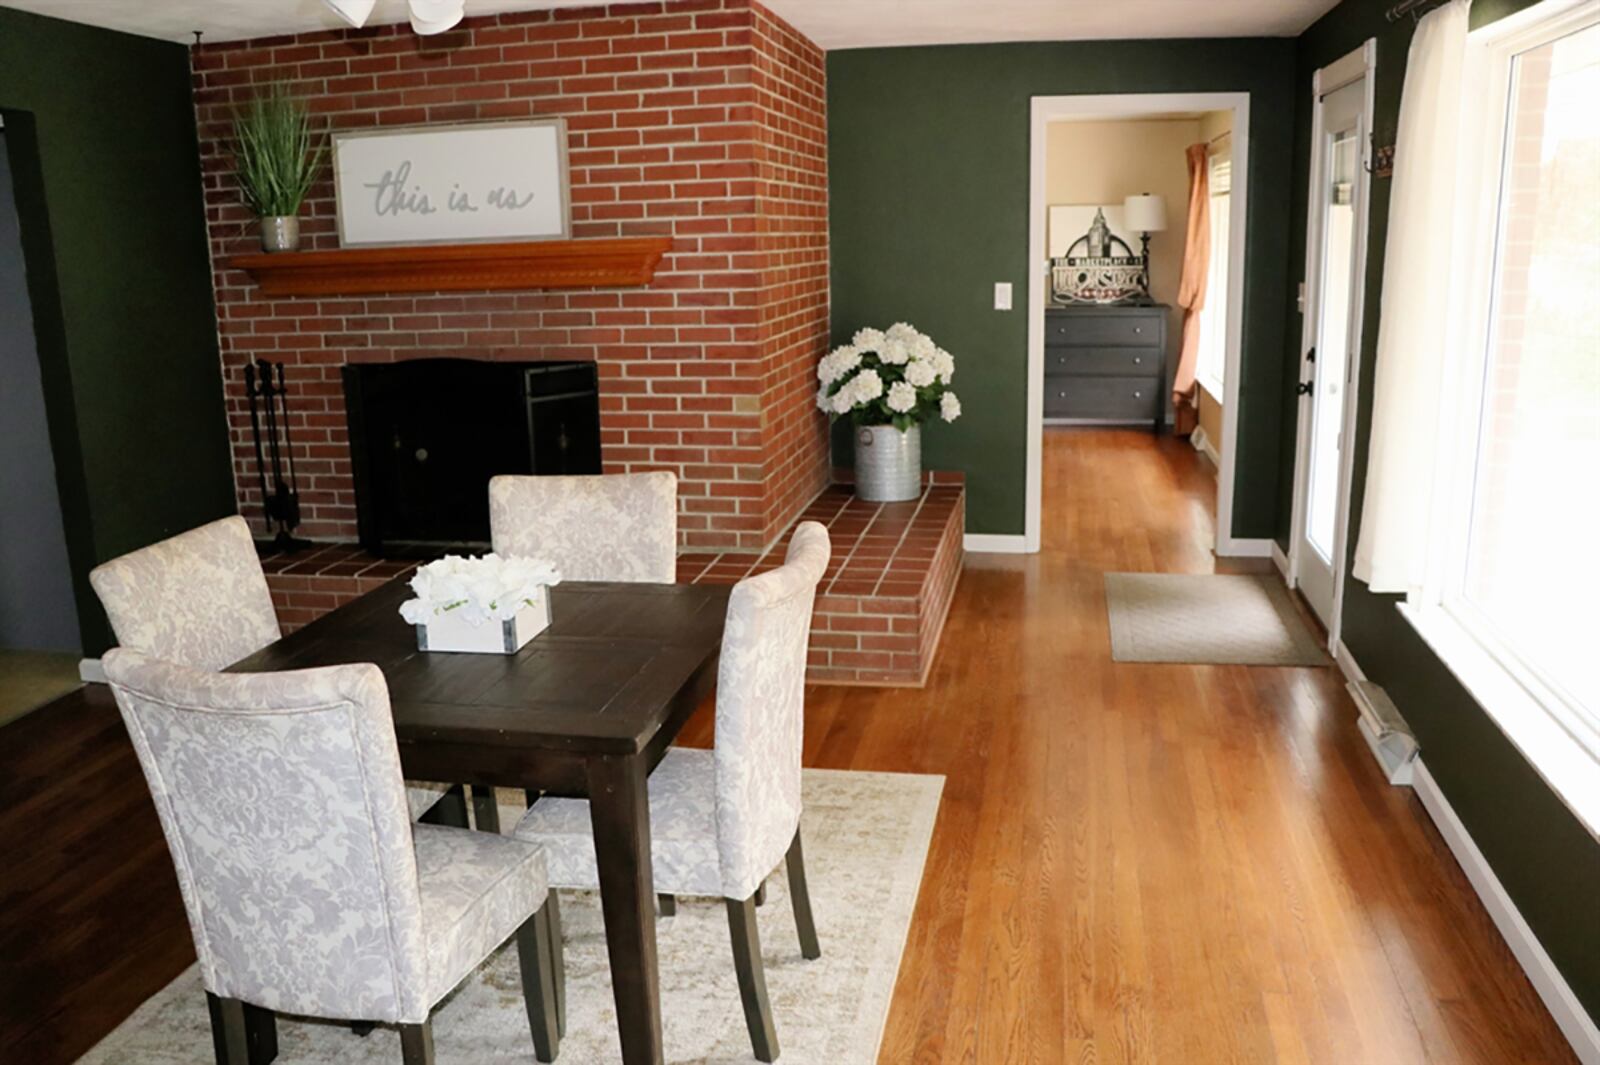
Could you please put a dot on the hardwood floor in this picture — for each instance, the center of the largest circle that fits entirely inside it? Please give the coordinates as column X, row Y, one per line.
column 91, row 923
column 1159, row 863
column 1184, row 864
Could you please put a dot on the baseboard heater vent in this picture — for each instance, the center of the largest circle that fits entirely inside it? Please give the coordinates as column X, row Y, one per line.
column 1386, row 732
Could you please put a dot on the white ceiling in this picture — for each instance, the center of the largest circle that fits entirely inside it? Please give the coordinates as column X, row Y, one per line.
column 831, row 23
column 870, row 23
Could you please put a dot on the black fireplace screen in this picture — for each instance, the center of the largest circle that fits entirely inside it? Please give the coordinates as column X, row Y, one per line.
column 426, row 435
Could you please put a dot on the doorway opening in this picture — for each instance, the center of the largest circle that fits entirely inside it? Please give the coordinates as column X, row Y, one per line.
column 40, row 639
column 1110, row 186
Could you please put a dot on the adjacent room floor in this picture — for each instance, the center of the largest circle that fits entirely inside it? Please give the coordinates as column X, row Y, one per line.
column 1133, row 862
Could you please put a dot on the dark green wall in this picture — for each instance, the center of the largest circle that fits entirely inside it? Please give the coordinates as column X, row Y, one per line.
column 928, row 203
column 101, row 133
column 1547, row 861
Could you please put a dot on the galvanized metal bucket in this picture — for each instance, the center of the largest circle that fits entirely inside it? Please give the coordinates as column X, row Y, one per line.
column 888, row 463
column 280, row 233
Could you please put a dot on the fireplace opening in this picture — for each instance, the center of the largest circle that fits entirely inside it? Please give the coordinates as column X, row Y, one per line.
column 427, row 434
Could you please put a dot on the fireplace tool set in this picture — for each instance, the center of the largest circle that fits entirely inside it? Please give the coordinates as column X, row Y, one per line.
column 269, row 411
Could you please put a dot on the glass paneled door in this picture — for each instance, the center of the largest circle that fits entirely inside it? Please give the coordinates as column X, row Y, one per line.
column 1336, row 270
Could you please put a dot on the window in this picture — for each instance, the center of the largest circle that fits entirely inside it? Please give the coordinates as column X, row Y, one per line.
column 1212, row 358
column 1510, row 602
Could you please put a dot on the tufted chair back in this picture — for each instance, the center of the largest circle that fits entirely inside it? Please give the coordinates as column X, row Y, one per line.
column 198, row 599
column 281, row 798
column 761, row 712
column 614, row 527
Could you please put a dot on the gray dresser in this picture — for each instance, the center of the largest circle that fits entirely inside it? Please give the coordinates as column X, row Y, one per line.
column 1106, row 364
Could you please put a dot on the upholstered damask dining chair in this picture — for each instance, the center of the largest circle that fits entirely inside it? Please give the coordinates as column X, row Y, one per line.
column 200, row 599
column 722, row 820
column 308, row 889
column 609, row 527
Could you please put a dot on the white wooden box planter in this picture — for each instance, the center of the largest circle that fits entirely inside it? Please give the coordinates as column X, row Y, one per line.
column 451, row 632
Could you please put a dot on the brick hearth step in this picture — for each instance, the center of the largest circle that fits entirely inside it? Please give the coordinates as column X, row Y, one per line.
column 879, row 612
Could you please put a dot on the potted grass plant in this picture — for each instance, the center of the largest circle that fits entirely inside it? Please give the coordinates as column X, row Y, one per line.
column 277, row 156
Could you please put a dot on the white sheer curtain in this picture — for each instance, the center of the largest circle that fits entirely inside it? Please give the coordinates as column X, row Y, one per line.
column 1413, row 323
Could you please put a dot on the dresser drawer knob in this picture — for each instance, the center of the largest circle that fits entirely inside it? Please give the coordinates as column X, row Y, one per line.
column 1061, row 395
column 1138, row 395
column 1138, row 329
column 1137, row 360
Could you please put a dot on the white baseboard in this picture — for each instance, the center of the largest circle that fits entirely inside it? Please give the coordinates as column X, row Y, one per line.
column 1234, row 547
column 1575, row 1024
column 1347, row 664
column 1202, row 443
column 996, row 543
column 1281, row 560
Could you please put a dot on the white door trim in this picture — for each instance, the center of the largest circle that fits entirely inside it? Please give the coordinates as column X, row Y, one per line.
column 1362, row 62
column 1046, row 109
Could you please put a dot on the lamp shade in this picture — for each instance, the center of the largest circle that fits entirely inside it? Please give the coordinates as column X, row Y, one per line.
column 1145, row 213
column 354, row 12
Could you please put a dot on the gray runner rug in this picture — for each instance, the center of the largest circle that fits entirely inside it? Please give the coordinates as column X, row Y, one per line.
column 1207, row 619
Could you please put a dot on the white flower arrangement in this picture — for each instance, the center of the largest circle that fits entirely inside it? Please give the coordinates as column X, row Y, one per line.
column 896, row 376
column 477, row 590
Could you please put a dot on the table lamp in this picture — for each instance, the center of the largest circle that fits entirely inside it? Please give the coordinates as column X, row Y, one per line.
column 1145, row 214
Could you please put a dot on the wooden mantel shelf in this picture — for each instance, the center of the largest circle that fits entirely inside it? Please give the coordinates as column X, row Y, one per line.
column 604, row 263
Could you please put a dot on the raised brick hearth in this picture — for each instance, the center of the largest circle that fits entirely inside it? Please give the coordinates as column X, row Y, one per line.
column 882, row 603
column 702, row 121
column 879, row 611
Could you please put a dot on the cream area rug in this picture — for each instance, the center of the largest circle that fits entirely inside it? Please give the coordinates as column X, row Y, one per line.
column 1206, row 619
column 866, row 840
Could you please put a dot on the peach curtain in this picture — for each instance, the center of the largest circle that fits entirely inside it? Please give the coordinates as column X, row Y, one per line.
column 1192, row 289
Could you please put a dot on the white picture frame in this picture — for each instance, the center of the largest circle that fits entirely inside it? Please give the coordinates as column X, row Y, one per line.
column 461, row 184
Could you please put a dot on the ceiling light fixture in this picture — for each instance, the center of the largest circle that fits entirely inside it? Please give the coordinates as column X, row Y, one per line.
column 354, row 12
column 427, row 16
column 435, row 16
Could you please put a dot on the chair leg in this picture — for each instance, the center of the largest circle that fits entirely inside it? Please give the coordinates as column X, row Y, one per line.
column 558, row 958
column 800, row 895
column 667, row 905
column 228, row 1036
column 761, row 894
column 538, row 984
column 416, row 1043
column 451, row 809
column 752, row 978
column 242, row 1034
column 485, row 811
column 261, row 1034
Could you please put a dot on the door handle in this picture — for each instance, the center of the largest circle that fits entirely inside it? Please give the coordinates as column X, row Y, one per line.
column 1303, row 388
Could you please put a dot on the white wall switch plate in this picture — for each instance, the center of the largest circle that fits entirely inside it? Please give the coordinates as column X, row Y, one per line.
column 1002, row 295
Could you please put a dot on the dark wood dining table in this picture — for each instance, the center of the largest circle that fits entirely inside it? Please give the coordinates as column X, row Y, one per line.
column 587, row 708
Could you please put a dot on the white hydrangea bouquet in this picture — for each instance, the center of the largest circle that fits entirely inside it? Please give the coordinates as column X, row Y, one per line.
column 486, row 605
column 896, row 376
column 889, row 381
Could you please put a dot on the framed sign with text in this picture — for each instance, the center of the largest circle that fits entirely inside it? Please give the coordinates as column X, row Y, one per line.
column 452, row 184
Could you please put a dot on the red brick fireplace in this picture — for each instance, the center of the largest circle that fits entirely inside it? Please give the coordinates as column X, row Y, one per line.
column 702, row 121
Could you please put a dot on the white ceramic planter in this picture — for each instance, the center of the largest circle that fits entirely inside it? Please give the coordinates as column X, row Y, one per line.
column 450, row 632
